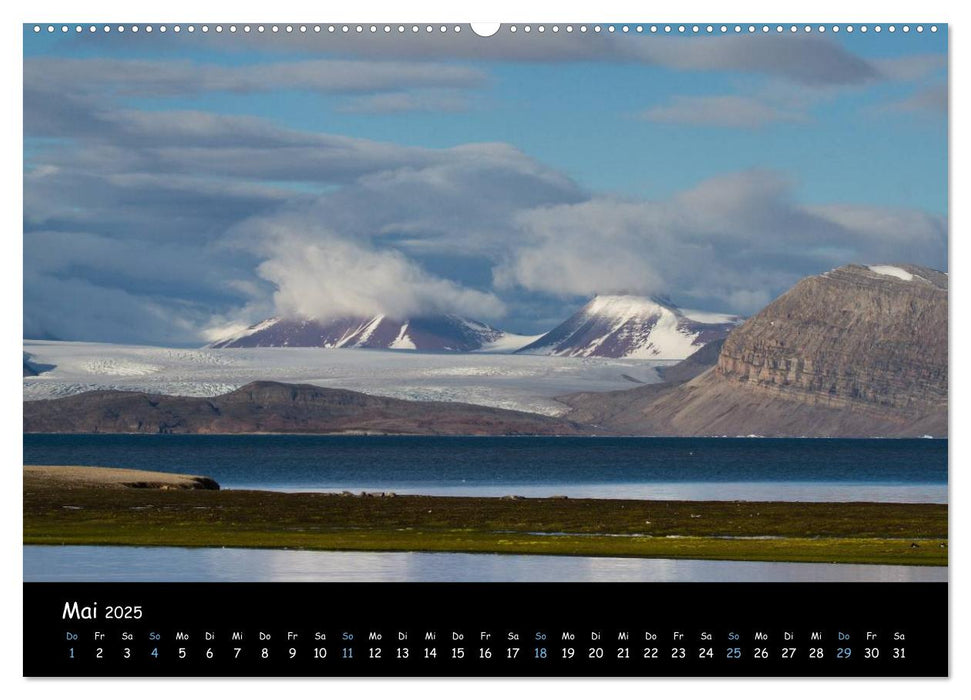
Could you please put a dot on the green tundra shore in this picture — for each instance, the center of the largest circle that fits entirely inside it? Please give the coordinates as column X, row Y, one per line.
column 70, row 507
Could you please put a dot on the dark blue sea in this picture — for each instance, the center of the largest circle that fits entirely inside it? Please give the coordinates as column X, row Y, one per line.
column 653, row 468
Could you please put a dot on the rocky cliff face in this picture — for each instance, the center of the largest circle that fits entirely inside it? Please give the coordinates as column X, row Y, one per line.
column 869, row 335
column 856, row 352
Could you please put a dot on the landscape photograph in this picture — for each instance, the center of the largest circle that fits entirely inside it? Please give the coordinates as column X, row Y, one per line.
column 407, row 303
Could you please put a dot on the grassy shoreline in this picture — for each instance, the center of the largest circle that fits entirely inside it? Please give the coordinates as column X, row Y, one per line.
column 792, row 550
column 860, row 533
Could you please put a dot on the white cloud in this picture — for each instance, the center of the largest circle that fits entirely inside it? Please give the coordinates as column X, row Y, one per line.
column 328, row 277
column 806, row 60
column 247, row 218
column 581, row 249
column 417, row 101
column 931, row 100
column 913, row 67
column 729, row 111
column 886, row 234
column 166, row 78
column 732, row 242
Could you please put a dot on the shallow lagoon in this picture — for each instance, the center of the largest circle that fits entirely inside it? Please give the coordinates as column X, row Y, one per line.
column 77, row 563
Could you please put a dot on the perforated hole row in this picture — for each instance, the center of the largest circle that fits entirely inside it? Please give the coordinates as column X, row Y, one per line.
column 513, row 28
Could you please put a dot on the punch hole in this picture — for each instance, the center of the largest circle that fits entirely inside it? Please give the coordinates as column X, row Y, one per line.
column 485, row 29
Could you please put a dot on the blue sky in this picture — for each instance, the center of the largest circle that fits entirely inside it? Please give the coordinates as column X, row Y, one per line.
column 716, row 170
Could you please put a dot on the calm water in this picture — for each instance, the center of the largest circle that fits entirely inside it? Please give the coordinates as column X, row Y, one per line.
column 733, row 469
column 210, row 564
column 658, row 468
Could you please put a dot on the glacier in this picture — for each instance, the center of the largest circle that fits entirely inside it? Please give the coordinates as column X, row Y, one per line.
column 518, row 382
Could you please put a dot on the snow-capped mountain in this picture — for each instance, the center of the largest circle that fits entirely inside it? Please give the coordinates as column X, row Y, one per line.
column 633, row 327
column 440, row 333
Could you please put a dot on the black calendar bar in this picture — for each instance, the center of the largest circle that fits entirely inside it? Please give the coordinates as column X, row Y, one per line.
column 467, row 629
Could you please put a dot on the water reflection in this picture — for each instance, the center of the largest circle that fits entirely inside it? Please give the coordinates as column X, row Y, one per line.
column 826, row 492
column 212, row 564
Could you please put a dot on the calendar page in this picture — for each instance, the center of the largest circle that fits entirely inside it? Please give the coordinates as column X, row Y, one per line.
column 485, row 350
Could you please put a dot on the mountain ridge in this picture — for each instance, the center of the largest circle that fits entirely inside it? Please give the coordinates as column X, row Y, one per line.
column 437, row 333
column 276, row 407
column 859, row 351
column 610, row 326
column 629, row 326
